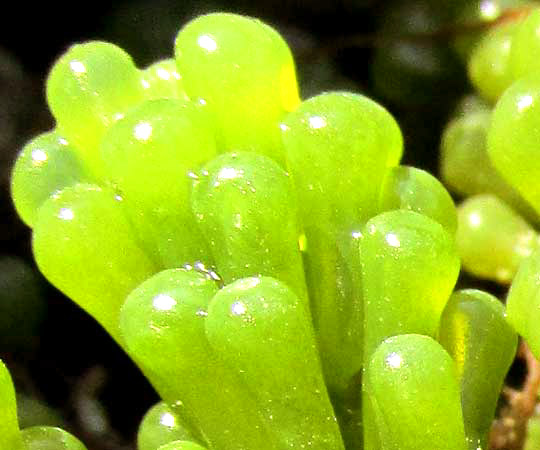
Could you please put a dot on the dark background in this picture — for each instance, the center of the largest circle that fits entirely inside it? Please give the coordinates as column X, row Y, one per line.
column 395, row 52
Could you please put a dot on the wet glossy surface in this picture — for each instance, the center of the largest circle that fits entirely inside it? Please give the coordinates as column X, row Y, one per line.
column 482, row 343
column 414, row 395
column 88, row 89
column 246, row 208
column 162, row 324
column 262, row 331
column 74, row 249
column 244, row 71
column 45, row 165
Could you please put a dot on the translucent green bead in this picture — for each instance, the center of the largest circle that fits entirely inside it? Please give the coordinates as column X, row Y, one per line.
column 162, row 80
column 514, row 135
column 525, row 50
column 10, row 436
column 466, row 167
column 50, row 438
column 489, row 66
column 89, row 88
column 45, row 165
column 482, row 343
column 181, row 445
column 243, row 70
column 262, row 331
column 84, row 246
column 159, row 426
column 413, row 189
column 245, row 205
column 339, row 147
column 163, row 323
column 409, row 268
column 493, row 239
column 151, row 156
column 414, row 393
column 523, row 302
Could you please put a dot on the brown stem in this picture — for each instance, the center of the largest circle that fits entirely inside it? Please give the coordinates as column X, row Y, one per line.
column 509, row 430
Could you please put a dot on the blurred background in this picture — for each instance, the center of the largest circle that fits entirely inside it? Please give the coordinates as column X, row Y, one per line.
column 67, row 371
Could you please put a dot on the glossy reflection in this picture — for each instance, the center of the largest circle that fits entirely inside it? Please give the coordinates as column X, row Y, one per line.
column 169, row 342
column 408, row 415
column 45, row 165
column 274, row 353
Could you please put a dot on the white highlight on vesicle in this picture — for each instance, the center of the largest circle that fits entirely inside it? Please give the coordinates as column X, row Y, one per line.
column 167, row 419
column 393, row 240
column 38, row 157
column 238, row 308
column 163, row 302
column 143, row 131
column 207, row 42
column 77, row 67
column 317, row 122
column 394, row 360
column 524, row 102
column 66, row 214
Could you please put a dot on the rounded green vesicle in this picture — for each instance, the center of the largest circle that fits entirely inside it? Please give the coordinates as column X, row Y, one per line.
column 162, row 322
column 243, row 70
column 181, row 445
column 476, row 334
column 261, row 329
column 409, row 268
column 514, row 135
column 413, row 390
column 523, row 302
column 339, row 147
column 162, row 80
column 492, row 239
column 88, row 89
column 525, row 49
column 413, row 189
column 489, row 66
column 50, row 438
column 45, row 165
column 84, row 246
column 465, row 165
column 10, row 436
column 159, row 426
column 245, row 206
column 151, row 156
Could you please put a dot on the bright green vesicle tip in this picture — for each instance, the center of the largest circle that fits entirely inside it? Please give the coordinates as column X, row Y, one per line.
column 50, row 438
column 261, row 329
column 162, row 80
column 465, row 164
column 151, row 156
column 409, row 268
column 243, row 70
column 88, row 89
column 163, row 323
column 159, row 426
column 413, row 389
column 339, row 147
column 514, row 135
column 10, row 436
column 181, row 445
column 489, row 65
column 84, row 245
column 492, row 239
column 246, row 208
column 413, row 189
column 523, row 302
column 45, row 165
column 476, row 334
column 525, row 49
